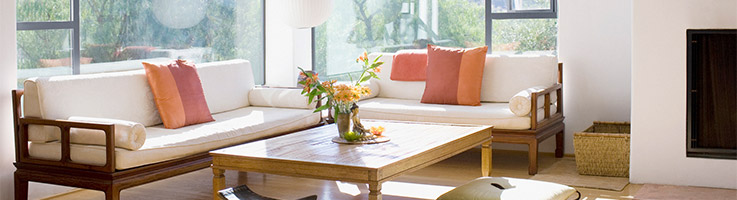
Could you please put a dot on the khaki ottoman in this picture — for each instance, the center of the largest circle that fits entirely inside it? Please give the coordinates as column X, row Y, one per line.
column 509, row 189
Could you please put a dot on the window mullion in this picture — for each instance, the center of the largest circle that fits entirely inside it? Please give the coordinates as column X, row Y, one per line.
column 75, row 37
column 30, row 26
column 488, row 25
column 511, row 6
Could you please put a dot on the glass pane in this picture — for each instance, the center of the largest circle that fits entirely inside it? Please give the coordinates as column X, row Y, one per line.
column 500, row 6
column 43, row 10
column 43, row 53
column 531, row 4
column 524, row 36
column 388, row 26
column 118, row 35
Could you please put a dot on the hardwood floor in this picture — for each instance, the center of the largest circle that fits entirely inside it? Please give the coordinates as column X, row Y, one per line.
column 427, row 183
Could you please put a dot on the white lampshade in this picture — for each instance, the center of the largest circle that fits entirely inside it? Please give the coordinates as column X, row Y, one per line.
column 179, row 14
column 307, row 13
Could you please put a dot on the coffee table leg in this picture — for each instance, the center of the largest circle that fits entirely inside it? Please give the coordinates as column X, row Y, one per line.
column 486, row 159
column 218, row 182
column 375, row 191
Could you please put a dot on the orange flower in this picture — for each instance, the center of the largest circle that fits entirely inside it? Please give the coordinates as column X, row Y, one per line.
column 377, row 69
column 363, row 58
column 377, row 131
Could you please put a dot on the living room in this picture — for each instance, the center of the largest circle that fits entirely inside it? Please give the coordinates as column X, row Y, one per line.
column 622, row 61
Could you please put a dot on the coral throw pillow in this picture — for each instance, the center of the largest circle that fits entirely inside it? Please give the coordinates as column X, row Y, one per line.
column 409, row 65
column 454, row 75
column 178, row 94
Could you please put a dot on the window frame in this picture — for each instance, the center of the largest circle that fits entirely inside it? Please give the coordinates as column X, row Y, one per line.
column 551, row 13
column 74, row 25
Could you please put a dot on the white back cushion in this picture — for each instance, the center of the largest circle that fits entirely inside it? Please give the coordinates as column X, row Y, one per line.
column 126, row 95
column 395, row 89
column 226, row 84
column 120, row 95
column 505, row 76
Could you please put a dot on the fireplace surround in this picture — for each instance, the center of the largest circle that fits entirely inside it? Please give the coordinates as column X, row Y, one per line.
column 712, row 93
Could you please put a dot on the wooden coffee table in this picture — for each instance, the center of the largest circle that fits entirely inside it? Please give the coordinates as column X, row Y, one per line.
column 312, row 154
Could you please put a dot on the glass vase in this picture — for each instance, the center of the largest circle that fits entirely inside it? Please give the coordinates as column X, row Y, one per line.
column 343, row 121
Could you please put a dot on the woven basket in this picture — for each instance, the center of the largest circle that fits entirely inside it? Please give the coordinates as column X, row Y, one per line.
column 603, row 149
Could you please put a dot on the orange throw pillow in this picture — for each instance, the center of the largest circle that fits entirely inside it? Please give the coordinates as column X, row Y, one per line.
column 409, row 65
column 454, row 75
column 178, row 94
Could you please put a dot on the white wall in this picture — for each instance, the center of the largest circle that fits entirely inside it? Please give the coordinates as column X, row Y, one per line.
column 658, row 149
column 7, row 83
column 594, row 45
column 286, row 48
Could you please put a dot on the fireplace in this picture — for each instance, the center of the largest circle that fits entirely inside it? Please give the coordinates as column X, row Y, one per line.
column 712, row 93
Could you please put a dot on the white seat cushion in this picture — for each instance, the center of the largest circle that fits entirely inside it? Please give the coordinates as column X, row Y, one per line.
column 497, row 114
column 229, row 128
column 514, row 188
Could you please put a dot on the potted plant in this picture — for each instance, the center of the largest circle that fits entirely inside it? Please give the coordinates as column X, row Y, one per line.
column 341, row 97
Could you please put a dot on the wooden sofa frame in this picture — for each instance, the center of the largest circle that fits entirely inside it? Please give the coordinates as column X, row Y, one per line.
column 551, row 125
column 104, row 178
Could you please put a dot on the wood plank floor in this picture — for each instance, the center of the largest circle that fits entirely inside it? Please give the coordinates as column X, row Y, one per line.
column 427, row 183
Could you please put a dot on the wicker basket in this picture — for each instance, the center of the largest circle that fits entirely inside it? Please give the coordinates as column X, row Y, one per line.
column 603, row 149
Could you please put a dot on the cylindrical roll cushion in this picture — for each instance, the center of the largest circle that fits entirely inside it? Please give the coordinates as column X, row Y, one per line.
column 521, row 103
column 128, row 135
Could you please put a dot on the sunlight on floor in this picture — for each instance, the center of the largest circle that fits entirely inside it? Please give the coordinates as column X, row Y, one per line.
column 414, row 190
column 400, row 189
column 348, row 188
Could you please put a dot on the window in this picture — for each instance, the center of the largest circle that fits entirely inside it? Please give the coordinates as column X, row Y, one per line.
column 91, row 36
column 507, row 26
column 522, row 26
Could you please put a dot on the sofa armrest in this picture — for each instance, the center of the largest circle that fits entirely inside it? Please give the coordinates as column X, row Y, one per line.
column 23, row 156
column 282, row 97
column 548, row 118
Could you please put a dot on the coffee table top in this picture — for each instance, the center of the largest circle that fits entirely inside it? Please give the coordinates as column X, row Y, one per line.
column 408, row 139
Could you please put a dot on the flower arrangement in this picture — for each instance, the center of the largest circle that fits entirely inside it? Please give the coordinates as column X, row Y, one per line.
column 340, row 96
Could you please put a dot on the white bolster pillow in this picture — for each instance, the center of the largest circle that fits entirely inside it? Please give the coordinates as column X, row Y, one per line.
column 521, row 103
column 279, row 97
column 128, row 135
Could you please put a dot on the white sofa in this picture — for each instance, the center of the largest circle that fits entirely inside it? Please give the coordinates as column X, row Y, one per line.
column 242, row 113
column 504, row 76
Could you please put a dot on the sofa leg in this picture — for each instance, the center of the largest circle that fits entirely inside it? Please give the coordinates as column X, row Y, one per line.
column 559, row 144
column 532, row 157
column 112, row 193
column 21, row 187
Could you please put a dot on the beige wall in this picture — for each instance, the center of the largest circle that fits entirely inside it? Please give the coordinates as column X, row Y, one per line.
column 658, row 149
column 594, row 45
column 7, row 83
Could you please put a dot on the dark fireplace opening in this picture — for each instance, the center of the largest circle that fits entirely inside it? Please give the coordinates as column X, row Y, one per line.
column 712, row 93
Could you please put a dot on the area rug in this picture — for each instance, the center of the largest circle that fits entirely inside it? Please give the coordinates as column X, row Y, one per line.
column 564, row 172
column 652, row 191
